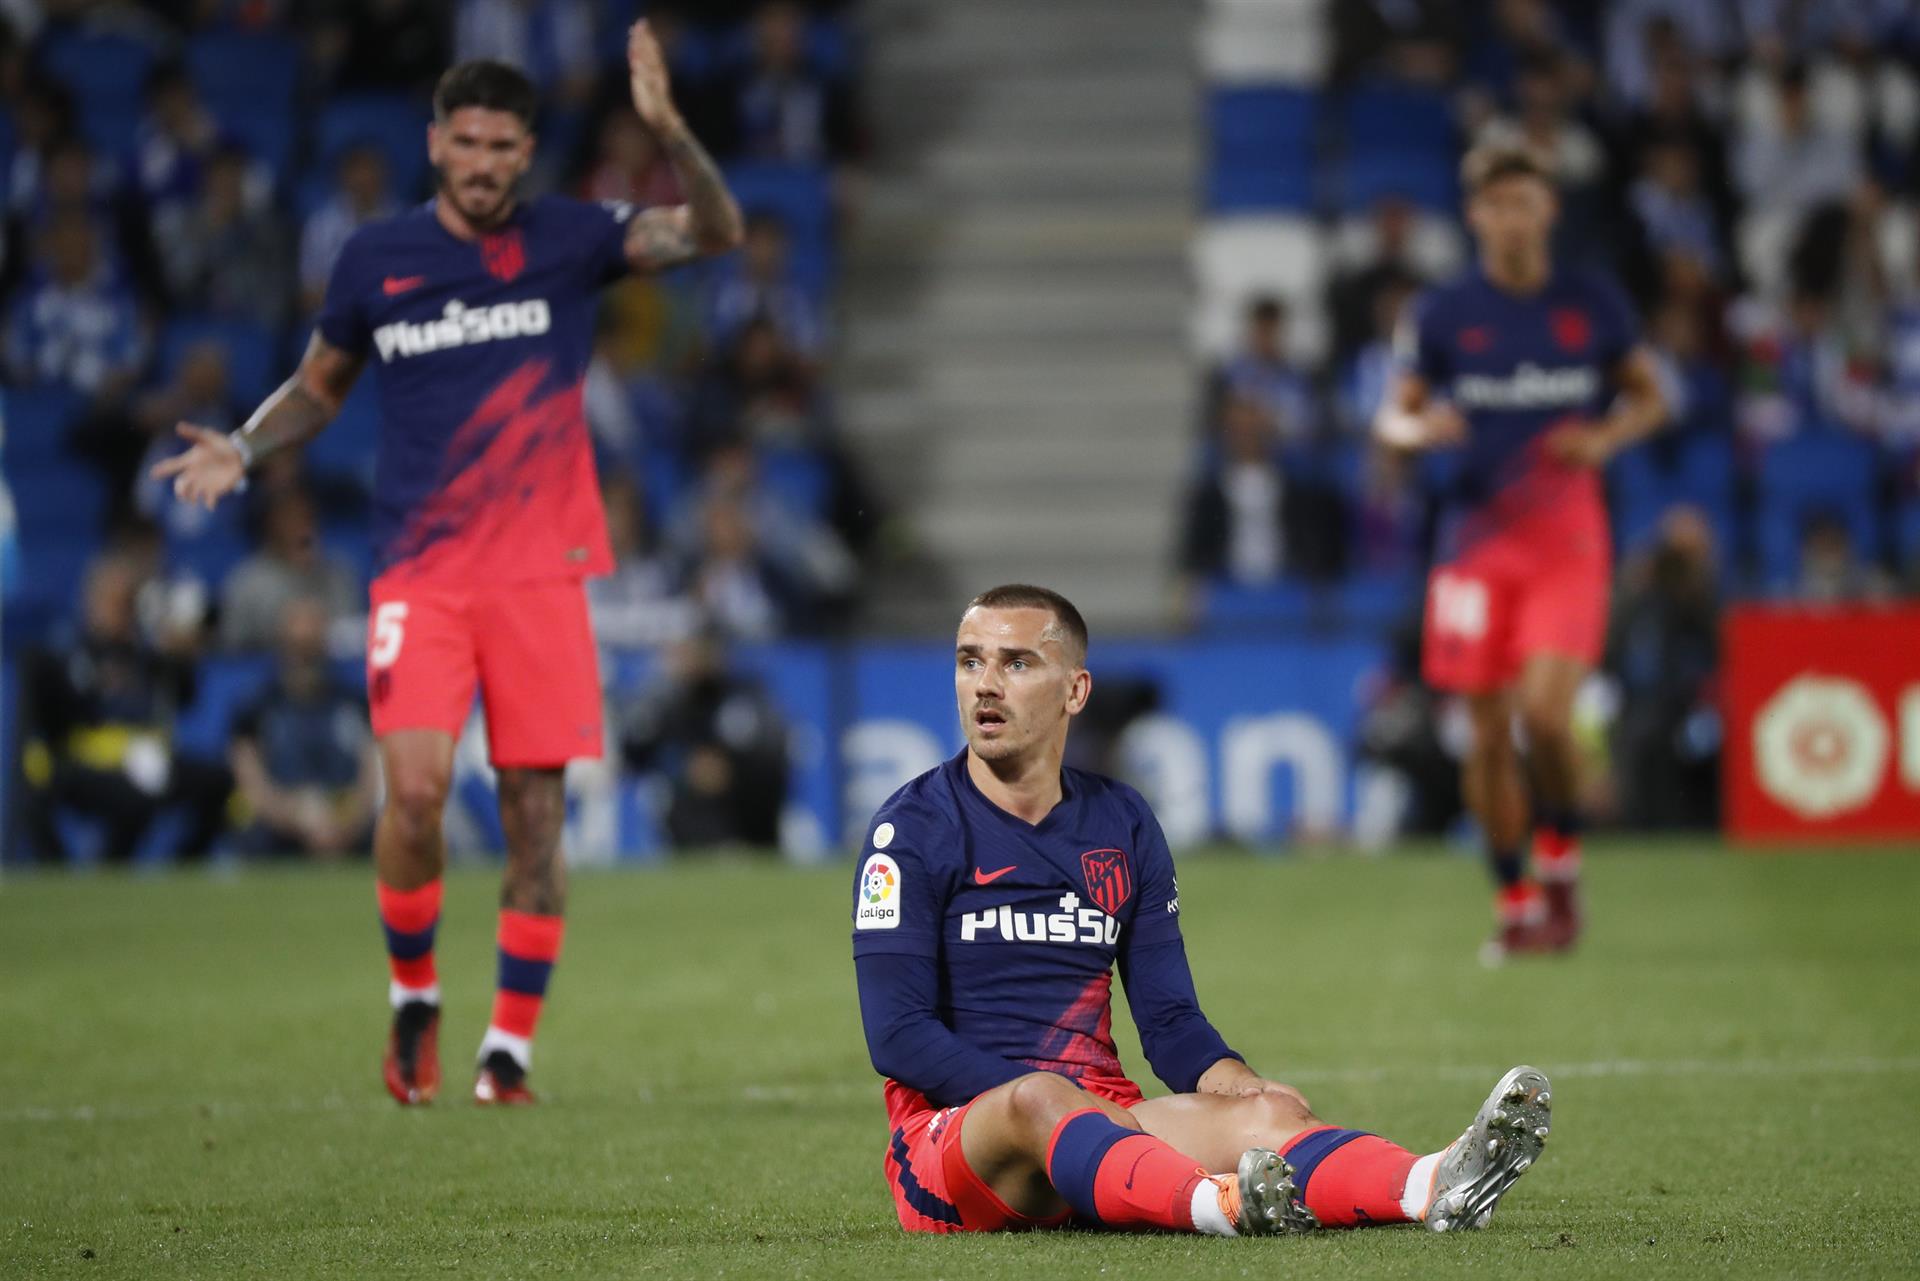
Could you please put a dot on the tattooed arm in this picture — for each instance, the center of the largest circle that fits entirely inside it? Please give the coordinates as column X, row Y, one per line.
column 709, row 223
column 214, row 465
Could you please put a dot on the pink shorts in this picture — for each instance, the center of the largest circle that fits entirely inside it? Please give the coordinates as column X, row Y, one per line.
column 526, row 647
column 1507, row 599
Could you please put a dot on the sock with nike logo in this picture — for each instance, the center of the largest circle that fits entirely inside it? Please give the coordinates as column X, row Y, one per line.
column 1349, row 1178
column 1119, row 1177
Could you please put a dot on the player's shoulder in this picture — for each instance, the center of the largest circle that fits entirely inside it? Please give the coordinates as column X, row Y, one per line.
column 1110, row 793
column 920, row 811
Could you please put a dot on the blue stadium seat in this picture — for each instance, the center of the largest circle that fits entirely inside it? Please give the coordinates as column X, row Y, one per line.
column 394, row 123
column 107, row 75
column 1815, row 473
column 1254, row 122
column 207, row 544
column 246, row 71
column 224, row 686
column 1906, row 535
column 268, row 137
column 801, row 197
column 250, row 353
column 52, row 566
column 798, row 477
column 1398, row 117
column 36, row 421
column 60, row 496
column 1375, row 602
column 1428, row 180
column 1230, row 605
column 1288, row 183
column 351, row 542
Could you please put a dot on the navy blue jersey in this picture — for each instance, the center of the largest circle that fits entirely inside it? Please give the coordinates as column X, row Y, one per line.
column 485, row 469
column 1023, row 925
column 1516, row 366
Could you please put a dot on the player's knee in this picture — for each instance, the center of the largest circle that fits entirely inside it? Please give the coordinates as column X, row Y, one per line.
column 1036, row 1102
column 1546, row 725
column 417, row 792
column 1280, row 1115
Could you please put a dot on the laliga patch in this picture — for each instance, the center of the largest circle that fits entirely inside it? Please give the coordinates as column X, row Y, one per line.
column 876, row 903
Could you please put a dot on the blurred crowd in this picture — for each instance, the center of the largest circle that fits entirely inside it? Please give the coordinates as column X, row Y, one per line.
column 177, row 178
column 1750, row 170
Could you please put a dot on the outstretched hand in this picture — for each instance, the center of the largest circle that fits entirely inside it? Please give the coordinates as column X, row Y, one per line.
column 207, row 471
column 647, row 76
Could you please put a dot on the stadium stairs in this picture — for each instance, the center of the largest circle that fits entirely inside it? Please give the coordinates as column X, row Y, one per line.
column 1016, row 371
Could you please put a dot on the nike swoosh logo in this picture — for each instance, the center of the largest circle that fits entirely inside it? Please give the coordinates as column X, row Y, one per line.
column 988, row 878
column 400, row 284
column 1135, row 1170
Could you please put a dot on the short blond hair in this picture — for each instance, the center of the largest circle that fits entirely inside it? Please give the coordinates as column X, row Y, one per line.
column 1489, row 162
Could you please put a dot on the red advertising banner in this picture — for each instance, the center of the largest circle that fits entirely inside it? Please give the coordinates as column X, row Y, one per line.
column 1823, row 723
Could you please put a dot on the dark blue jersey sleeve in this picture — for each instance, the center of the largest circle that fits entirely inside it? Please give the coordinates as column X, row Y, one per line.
column 1179, row 1042
column 1616, row 325
column 342, row 321
column 906, row 877
column 906, row 1039
column 605, row 237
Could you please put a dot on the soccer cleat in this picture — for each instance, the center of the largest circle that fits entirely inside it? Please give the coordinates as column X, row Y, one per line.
column 501, row 1080
column 412, row 1065
column 1260, row 1200
column 1506, row 1137
column 1520, row 938
column 1562, row 928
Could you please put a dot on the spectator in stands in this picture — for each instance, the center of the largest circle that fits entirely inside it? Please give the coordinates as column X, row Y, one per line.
column 550, row 40
column 1262, row 376
column 1674, row 212
column 762, row 286
column 1673, row 112
column 1695, row 386
column 290, row 566
column 722, row 745
column 176, row 143
column 42, row 115
column 731, row 576
column 1245, row 523
column 806, row 568
column 1798, row 372
column 1831, row 569
column 224, row 252
column 1413, row 40
column 1387, row 262
column 635, row 606
column 759, row 390
column 1389, row 515
column 360, row 196
column 627, row 163
column 1544, row 120
column 1790, row 164
column 383, row 45
column 784, row 109
column 97, row 727
column 1663, row 652
column 303, row 753
column 74, row 326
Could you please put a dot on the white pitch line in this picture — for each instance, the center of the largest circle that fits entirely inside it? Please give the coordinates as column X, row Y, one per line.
column 653, row 1095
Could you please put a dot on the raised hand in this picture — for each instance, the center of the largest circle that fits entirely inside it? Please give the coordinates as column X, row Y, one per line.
column 209, row 469
column 647, row 76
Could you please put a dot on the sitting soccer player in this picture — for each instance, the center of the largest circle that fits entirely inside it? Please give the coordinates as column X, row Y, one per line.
column 995, row 896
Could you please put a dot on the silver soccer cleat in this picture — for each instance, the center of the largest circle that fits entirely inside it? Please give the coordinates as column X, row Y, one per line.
column 1269, row 1203
column 1503, row 1141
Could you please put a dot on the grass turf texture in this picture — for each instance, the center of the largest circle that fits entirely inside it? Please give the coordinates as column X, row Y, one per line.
column 190, row 1080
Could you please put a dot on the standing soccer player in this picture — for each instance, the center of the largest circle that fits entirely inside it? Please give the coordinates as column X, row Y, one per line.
column 997, row 895
column 479, row 307
column 1536, row 374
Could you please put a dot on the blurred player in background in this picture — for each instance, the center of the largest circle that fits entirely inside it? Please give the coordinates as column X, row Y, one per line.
column 995, row 896
column 479, row 307
column 1536, row 374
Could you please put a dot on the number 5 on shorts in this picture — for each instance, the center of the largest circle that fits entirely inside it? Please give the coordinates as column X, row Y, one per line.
column 1460, row 606
column 389, row 631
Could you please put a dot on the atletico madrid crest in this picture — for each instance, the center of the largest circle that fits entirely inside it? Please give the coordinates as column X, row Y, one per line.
column 1109, row 880
column 504, row 254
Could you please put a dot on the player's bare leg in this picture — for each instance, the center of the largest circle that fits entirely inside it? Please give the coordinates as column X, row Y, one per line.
column 1216, row 1128
column 1044, row 1146
column 1495, row 788
column 533, row 810
column 1548, row 686
column 410, row 857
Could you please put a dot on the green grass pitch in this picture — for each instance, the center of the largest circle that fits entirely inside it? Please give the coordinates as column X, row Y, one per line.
column 189, row 1083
